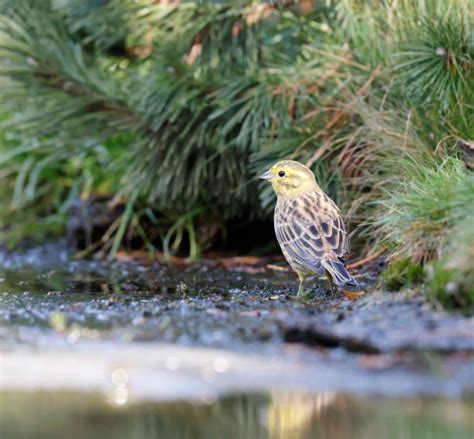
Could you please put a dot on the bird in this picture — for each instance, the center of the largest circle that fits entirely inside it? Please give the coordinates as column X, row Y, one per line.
column 467, row 149
column 308, row 225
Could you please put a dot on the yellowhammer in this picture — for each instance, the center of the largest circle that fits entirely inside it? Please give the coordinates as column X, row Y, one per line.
column 308, row 225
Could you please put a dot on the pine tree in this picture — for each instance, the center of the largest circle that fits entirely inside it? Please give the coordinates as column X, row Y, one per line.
column 177, row 106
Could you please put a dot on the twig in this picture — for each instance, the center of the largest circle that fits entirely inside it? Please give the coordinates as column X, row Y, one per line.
column 342, row 59
column 367, row 259
column 278, row 267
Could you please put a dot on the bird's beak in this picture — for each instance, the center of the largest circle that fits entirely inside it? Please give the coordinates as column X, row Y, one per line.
column 267, row 176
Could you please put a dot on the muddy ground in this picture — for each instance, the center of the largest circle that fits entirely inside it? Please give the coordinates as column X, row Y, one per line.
column 204, row 332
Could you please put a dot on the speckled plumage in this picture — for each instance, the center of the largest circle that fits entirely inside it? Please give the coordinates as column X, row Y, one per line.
column 308, row 224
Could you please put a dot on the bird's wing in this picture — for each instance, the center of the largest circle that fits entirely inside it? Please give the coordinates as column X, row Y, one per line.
column 333, row 227
column 310, row 229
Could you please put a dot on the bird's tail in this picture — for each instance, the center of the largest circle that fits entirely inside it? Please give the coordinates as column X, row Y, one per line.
column 338, row 272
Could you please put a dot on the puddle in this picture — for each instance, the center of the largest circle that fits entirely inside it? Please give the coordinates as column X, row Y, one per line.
column 113, row 349
column 201, row 306
column 273, row 415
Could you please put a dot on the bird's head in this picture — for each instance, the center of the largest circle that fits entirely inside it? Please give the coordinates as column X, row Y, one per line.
column 290, row 178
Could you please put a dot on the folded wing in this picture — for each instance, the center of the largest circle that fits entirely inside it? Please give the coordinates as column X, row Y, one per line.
column 310, row 231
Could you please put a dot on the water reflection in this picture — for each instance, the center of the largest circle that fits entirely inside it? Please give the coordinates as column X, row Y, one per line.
column 288, row 414
column 119, row 394
column 325, row 415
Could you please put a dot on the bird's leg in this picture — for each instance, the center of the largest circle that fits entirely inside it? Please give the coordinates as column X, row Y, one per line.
column 331, row 283
column 301, row 290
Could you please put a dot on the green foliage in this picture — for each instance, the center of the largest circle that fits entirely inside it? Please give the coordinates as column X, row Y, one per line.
column 402, row 272
column 435, row 60
column 450, row 287
column 199, row 97
column 426, row 205
column 428, row 217
column 451, row 279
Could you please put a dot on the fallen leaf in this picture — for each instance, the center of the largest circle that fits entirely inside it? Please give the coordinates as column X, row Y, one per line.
column 353, row 295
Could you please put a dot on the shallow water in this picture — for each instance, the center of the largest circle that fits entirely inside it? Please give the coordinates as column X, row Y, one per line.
column 112, row 349
column 274, row 415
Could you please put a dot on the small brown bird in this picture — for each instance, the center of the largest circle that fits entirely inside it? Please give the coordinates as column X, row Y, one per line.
column 308, row 225
column 467, row 149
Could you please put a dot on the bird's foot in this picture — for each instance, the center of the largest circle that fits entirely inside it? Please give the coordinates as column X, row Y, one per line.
column 303, row 292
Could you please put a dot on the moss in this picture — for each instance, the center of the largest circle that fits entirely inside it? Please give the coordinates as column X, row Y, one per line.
column 402, row 272
column 451, row 287
column 451, row 278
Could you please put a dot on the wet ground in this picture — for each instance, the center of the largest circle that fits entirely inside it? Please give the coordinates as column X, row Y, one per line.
column 204, row 351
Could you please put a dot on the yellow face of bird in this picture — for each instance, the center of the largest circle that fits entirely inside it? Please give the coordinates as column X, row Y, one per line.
column 290, row 178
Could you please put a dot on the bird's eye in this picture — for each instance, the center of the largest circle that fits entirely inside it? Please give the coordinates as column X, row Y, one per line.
column 281, row 173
